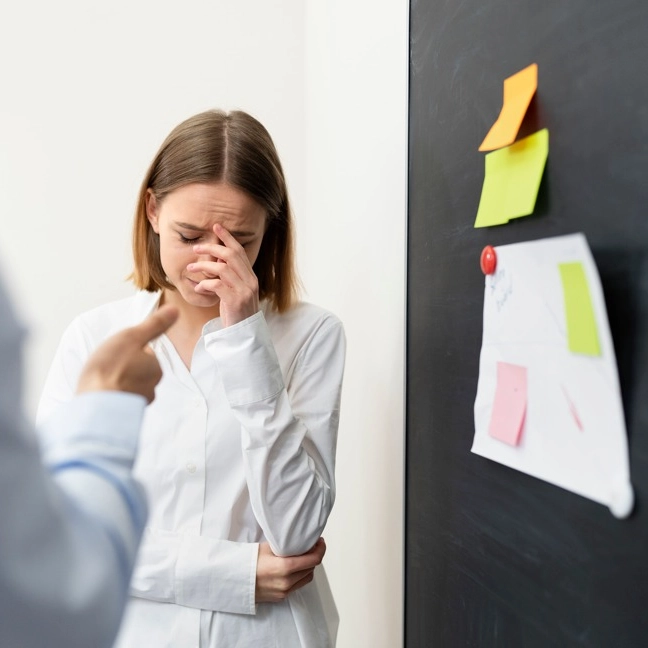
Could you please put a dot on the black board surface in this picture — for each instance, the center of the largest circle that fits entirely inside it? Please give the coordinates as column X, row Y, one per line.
column 495, row 557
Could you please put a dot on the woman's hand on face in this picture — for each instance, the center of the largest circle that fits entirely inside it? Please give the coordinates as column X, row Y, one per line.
column 229, row 275
column 277, row 578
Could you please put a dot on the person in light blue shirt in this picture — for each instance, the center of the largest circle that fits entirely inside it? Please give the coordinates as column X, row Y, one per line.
column 71, row 515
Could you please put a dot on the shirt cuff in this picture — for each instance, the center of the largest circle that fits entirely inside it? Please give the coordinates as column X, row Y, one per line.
column 246, row 360
column 218, row 575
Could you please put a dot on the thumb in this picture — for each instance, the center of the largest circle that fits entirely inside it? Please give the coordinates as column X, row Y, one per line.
column 154, row 325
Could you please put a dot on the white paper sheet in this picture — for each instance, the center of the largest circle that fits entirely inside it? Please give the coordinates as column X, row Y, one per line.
column 574, row 432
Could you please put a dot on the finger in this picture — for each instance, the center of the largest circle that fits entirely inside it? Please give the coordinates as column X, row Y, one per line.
column 239, row 279
column 228, row 244
column 211, row 269
column 231, row 278
column 215, row 250
column 215, row 286
column 156, row 376
column 229, row 249
column 301, row 582
column 306, row 561
column 229, row 257
column 155, row 324
column 228, row 278
column 321, row 544
column 225, row 236
column 318, row 548
column 295, row 577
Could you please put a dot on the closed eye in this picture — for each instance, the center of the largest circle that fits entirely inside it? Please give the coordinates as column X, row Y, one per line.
column 184, row 239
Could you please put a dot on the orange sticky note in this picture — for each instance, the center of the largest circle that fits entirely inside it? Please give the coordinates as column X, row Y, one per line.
column 509, row 406
column 518, row 92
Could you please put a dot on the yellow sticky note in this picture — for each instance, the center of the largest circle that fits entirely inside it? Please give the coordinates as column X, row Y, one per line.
column 512, row 179
column 582, row 333
column 518, row 92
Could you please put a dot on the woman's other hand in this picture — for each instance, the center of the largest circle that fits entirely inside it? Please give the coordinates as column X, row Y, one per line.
column 277, row 577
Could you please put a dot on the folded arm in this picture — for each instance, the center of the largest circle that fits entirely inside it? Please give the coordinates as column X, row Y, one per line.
column 289, row 432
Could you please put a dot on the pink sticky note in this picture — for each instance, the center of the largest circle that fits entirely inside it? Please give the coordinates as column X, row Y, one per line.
column 509, row 406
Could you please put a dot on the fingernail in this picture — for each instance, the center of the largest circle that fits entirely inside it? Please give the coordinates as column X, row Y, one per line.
column 191, row 266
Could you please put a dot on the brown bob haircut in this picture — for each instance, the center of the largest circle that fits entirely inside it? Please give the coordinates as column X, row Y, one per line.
column 233, row 148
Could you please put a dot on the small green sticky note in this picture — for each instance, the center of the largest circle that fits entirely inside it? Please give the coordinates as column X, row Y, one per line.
column 512, row 177
column 582, row 333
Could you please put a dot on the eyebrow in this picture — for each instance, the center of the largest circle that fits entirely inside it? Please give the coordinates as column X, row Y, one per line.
column 195, row 228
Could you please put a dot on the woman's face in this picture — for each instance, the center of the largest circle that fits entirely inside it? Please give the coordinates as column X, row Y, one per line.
column 187, row 217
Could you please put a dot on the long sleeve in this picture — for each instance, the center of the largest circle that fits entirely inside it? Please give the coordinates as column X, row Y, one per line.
column 289, row 432
column 68, row 538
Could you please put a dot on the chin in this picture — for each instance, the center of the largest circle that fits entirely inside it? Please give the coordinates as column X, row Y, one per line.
column 205, row 301
column 188, row 295
column 185, row 289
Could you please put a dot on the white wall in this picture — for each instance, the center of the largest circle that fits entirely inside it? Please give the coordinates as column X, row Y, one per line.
column 353, row 261
column 90, row 90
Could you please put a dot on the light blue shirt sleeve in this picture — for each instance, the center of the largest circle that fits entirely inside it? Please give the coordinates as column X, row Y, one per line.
column 68, row 536
column 90, row 450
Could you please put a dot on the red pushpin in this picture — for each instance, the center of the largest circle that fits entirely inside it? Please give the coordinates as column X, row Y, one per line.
column 488, row 260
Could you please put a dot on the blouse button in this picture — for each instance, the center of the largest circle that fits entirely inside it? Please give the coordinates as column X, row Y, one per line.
column 191, row 468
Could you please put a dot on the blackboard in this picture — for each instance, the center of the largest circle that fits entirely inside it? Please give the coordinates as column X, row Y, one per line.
column 495, row 557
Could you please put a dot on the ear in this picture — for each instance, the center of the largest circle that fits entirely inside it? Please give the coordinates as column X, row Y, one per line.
column 152, row 211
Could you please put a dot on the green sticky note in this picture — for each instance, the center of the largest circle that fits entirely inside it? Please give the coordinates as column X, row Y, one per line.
column 512, row 178
column 582, row 333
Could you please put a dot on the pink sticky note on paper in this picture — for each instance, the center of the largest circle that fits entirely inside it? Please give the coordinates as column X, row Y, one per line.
column 509, row 406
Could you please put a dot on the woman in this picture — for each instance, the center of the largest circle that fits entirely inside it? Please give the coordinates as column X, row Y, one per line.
column 237, row 451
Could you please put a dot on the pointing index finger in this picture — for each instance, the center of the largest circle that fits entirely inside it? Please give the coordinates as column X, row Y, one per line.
column 155, row 324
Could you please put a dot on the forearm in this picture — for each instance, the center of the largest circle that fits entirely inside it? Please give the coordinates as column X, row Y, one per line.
column 290, row 486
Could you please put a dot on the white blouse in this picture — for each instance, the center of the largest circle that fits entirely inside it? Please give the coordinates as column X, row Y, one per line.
column 236, row 451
